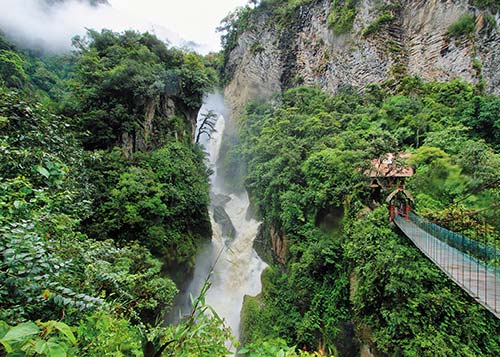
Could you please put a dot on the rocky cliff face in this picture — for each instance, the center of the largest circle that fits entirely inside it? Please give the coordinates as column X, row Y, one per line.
column 269, row 58
column 164, row 117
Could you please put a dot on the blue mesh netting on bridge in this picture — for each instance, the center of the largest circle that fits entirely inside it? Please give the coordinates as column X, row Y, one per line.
column 458, row 257
column 479, row 250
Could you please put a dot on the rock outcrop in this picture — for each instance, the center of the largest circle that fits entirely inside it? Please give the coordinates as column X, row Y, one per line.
column 161, row 115
column 269, row 57
column 226, row 225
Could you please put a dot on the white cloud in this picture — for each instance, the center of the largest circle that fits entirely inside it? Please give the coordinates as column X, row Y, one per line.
column 179, row 21
column 195, row 20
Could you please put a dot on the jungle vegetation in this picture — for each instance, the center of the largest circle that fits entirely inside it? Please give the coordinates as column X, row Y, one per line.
column 346, row 268
column 91, row 238
column 92, row 235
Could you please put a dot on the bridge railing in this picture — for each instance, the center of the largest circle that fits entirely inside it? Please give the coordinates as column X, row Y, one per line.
column 480, row 278
column 479, row 250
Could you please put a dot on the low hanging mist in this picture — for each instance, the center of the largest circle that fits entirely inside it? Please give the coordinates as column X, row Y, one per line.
column 50, row 25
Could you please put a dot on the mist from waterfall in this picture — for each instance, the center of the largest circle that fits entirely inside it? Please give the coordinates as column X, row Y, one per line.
column 38, row 26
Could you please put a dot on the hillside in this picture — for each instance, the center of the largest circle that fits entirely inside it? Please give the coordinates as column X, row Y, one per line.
column 139, row 212
column 103, row 197
column 320, row 88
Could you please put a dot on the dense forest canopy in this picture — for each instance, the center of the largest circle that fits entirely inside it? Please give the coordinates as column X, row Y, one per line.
column 118, row 76
column 87, row 235
column 306, row 154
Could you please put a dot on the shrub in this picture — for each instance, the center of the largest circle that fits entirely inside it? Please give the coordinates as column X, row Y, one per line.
column 375, row 26
column 463, row 27
column 342, row 15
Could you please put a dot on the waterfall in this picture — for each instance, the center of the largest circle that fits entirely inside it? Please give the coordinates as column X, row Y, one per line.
column 237, row 272
column 238, row 268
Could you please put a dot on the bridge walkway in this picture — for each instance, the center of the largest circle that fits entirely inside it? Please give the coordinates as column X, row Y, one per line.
column 480, row 280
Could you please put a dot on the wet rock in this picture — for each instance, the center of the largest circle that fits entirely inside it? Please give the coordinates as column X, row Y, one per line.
column 223, row 219
column 262, row 244
column 219, row 199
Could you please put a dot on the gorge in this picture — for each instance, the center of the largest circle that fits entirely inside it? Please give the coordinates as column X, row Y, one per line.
column 229, row 259
column 124, row 232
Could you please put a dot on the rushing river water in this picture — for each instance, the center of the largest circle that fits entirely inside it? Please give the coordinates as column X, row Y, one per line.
column 237, row 268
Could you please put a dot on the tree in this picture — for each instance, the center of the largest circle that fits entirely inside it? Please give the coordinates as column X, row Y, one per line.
column 11, row 69
column 119, row 77
column 207, row 125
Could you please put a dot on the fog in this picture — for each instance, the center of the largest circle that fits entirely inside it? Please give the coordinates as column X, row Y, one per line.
column 37, row 26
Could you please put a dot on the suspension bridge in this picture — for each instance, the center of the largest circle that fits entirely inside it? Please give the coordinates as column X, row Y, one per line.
column 472, row 264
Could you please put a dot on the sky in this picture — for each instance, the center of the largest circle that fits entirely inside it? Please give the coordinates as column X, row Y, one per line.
column 193, row 20
column 179, row 21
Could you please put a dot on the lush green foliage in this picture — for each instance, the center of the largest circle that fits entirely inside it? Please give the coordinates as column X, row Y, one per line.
column 375, row 26
column 201, row 334
column 118, row 76
column 48, row 265
column 33, row 339
column 21, row 69
column 409, row 304
column 493, row 5
column 272, row 348
column 306, row 154
column 482, row 116
column 11, row 69
column 78, row 228
column 49, row 269
column 102, row 334
column 296, row 174
column 160, row 200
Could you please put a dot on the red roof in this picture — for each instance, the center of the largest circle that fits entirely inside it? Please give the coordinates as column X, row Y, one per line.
column 390, row 165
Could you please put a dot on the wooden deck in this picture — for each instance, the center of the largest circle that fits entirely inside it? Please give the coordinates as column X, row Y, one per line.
column 480, row 281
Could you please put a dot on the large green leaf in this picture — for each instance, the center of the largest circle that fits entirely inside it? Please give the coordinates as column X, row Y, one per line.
column 55, row 349
column 20, row 332
column 41, row 347
column 66, row 330
column 4, row 328
column 6, row 346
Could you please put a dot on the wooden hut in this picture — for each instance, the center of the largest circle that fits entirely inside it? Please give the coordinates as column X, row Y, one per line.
column 389, row 171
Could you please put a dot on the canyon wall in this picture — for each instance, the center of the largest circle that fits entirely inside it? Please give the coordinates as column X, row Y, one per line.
column 270, row 56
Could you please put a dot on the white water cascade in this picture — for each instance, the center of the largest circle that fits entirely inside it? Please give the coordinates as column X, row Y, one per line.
column 238, row 269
